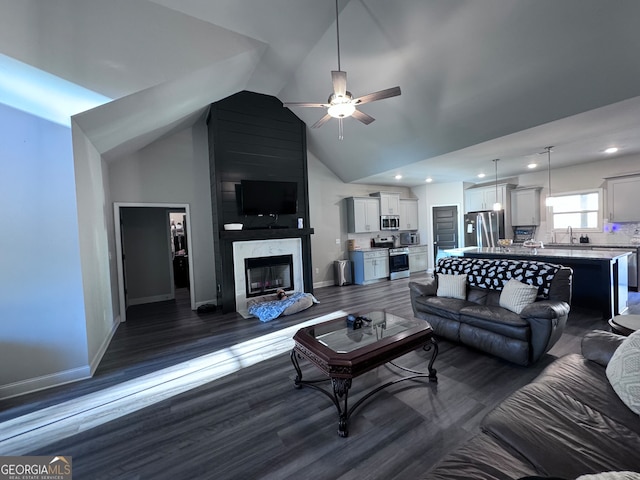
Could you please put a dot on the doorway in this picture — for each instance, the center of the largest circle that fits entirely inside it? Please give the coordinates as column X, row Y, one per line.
column 145, row 249
column 445, row 230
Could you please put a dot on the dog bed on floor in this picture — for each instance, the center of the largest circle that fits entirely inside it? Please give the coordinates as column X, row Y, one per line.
column 268, row 308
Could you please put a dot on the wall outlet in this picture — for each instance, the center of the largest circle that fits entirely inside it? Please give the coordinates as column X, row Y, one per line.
column 337, row 241
column 317, row 270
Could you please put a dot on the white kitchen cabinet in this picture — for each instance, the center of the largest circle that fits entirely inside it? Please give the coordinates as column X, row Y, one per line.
column 418, row 259
column 525, row 206
column 408, row 214
column 370, row 265
column 482, row 198
column 622, row 194
column 363, row 214
column 389, row 202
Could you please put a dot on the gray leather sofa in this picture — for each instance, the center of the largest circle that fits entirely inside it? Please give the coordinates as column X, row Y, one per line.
column 480, row 322
column 566, row 423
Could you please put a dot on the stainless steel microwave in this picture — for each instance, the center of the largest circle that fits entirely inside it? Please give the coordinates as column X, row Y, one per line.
column 390, row 222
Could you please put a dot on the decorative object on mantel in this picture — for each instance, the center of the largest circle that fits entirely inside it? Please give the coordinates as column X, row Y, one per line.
column 233, row 226
column 341, row 103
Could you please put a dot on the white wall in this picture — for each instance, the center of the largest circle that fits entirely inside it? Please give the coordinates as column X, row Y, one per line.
column 328, row 215
column 42, row 311
column 174, row 170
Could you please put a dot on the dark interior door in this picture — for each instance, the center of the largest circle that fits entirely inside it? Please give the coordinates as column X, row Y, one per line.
column 445, row 230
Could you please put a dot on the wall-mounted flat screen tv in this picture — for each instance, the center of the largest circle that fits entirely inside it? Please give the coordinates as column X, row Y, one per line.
column 261, row 197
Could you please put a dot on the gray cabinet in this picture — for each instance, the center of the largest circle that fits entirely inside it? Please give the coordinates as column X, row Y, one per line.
column 482, row 198
column 389, row 202
column 369, row 265
column 622, row 193
column 408, row 214
column 363, row 214
column 525, row 206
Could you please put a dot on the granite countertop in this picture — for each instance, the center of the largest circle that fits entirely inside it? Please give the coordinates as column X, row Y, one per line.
column 589, row 245
column 550, row 252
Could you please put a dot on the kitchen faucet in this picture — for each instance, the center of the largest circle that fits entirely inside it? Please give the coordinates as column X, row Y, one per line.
column 570, row 232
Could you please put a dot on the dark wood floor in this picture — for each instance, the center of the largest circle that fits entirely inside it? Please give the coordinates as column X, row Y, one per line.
column 254, row 424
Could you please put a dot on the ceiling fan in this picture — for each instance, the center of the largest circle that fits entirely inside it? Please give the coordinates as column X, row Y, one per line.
column 341, row 103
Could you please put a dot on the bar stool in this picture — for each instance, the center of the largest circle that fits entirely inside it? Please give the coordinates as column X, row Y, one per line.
column 625, row 324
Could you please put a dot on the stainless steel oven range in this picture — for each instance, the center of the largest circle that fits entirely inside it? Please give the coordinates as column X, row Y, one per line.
column 398, row 263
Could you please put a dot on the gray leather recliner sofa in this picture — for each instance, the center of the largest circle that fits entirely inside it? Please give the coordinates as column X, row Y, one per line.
column 568, row 422
column 480, row 322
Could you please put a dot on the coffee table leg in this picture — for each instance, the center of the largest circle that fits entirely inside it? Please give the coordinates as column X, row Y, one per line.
column 432, row 371
column 294, row 359
column 341, row 388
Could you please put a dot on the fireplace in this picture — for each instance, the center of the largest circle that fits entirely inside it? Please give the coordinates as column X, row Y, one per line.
column 273, row 263
column 266, row 275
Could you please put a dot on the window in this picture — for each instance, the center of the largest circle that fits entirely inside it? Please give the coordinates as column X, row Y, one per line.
column 578, row 210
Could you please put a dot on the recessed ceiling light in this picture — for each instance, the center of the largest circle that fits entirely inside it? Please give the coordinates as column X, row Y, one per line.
column 398, row 177
column 611, row 150
column 481, row 175
column 429, row 180
column 532, row 165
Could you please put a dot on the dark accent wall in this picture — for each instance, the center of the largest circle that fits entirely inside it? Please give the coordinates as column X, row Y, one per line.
column 253, row 137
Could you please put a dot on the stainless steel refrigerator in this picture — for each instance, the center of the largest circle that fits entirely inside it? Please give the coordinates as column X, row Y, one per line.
column 483, row 229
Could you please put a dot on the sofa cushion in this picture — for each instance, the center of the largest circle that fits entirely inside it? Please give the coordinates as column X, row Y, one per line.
column 497, row 320
column 443, row 306
column 517, row 295
column 623, row 371
column 452, row 286
column 482, row 458
column 568, row 428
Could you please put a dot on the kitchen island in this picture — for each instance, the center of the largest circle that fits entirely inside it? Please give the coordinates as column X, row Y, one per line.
column 600, row 279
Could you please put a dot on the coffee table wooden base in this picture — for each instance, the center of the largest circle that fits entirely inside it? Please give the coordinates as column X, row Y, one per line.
column 341, row 384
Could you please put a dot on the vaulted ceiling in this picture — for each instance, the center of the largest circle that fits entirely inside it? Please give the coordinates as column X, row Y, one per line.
column 480, row 79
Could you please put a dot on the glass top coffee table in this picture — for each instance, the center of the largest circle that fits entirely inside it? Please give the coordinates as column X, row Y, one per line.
column 342, row 353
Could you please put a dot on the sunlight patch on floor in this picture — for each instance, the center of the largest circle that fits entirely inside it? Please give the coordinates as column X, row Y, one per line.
column 37, row 429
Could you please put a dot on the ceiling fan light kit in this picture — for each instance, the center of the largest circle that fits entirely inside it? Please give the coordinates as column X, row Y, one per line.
column 341, row 103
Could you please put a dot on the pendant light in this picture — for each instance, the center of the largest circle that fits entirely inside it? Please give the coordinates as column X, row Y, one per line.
column 549, row 199
column 497, row 206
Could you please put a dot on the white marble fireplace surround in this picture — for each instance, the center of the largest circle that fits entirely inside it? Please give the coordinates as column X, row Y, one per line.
column 264, row 248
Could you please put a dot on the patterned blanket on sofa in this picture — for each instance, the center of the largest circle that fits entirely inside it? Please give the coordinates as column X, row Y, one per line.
column 493, row 274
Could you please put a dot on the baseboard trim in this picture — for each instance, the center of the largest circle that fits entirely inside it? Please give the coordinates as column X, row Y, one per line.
column 152, row 299
column 97, row 358
column 326, row 283
column 46, row 381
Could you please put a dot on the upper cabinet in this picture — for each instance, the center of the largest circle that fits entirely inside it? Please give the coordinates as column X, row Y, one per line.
column 408, row 214
column 363, row 214
column 482, row 198
column 389, row 202
column 525, row 206
column 622, row 194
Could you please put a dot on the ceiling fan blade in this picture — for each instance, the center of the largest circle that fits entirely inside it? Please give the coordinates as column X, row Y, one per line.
column 322, row 121
column 304, row 104
column 372, row 97
column 339, row 79
column 363, row 117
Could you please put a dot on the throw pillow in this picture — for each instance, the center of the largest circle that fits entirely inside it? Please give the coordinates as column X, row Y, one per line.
column 623, row 371
column 516, row 295
column 452, row 286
